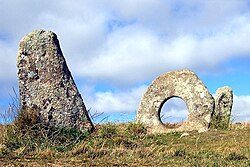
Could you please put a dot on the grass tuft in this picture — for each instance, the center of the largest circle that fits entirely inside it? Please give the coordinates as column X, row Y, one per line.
column 236, row 157
column 26, row 142
column 26, row 136
column 126, row 144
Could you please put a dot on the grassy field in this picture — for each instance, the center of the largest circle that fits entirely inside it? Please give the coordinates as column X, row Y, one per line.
column 126, row 145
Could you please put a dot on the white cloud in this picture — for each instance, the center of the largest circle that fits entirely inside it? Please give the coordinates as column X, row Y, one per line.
column 174, row 110
column 143, row 54
column 160, row 36
column 7, row 63
column 127, row 102
column 108, row 102
column 129, row 42
column 241, row 109
column 181, row 16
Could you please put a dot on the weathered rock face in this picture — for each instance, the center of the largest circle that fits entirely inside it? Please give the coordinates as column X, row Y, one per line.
column 185, row 85
column 223, row 105
column 45, row 82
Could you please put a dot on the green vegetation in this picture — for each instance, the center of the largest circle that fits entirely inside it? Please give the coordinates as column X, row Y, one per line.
column 27, row 135
column 123, row 145
column 222, row 123
column 30, row 143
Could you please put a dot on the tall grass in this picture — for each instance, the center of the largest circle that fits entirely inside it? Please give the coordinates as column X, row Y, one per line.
column 23, row 132
column 27, row 142
column 129, row 144
column 13, row 110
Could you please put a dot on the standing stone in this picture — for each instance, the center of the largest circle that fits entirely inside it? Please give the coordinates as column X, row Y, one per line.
column 223, row 106
column 46, row 84
column 185, row 85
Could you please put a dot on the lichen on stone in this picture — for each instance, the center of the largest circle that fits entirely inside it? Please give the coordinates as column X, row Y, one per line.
column 223, row 107
column 46, row 82
column 185, row 85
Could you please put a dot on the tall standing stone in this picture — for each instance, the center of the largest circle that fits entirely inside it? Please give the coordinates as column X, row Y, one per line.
column 45, row 83
column 185, row 85
column 223, row 106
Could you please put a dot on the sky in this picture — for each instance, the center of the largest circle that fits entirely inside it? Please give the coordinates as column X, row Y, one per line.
column 115, row 49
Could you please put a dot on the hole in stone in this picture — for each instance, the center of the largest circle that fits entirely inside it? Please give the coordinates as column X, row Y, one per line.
column 173, row 112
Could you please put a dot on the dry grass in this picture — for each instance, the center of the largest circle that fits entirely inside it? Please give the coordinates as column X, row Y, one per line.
column 173, row 125
column 130, row 145
column 1, row 129
column 1, row 132
column 240, row 125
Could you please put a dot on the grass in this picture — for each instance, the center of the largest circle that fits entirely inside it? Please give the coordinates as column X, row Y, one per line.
column 26, row 142
column 128, row 144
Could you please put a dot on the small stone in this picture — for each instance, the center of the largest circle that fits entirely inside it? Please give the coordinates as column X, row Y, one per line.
column 202, row 130
column 185, row 85
column 223, row 106
column 46, row 84
column 184, row 134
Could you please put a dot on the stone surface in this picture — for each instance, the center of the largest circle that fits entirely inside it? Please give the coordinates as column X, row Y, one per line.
column 223, row 105
column 185, row 85
column 184, row 134
column 46, row 84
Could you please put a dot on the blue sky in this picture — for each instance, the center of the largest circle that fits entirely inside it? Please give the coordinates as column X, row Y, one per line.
column 115, row 49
